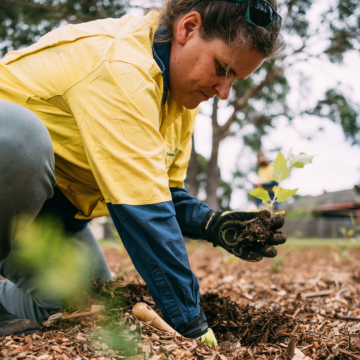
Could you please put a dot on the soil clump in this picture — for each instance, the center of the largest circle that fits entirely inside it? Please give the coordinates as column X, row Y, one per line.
column 257, row 232
column 247, row 324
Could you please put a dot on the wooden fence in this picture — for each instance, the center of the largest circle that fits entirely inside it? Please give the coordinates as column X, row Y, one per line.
column 316, row 228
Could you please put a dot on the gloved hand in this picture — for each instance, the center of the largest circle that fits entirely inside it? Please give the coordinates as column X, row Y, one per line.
column 208, row 338
column 198, row 329
column 250, row 241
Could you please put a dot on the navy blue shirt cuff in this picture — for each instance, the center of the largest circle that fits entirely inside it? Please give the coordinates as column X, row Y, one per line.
column 189, row 212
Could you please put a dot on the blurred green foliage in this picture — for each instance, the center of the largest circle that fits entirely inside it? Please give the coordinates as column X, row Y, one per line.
column 336, row 107
column 53, row 262
column 277, row 266
column 23, row 22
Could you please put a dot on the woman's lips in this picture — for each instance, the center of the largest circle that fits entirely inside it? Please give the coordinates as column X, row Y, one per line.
column 205, row 96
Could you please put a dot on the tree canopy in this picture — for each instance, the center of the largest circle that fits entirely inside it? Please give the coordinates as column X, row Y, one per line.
column 22, row 22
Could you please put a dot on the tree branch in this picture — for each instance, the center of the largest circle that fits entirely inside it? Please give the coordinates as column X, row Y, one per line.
column 31, row 4
column 214, row 113
column 243, row 101
column 300, row 49
column 55, row 12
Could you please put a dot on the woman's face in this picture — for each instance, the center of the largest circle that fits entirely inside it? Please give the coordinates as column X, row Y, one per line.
column 201, row 69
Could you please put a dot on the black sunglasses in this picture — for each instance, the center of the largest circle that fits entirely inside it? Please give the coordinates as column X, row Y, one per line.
column 259, row 13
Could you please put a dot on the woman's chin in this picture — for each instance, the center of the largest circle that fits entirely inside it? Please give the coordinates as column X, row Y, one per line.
column 192, row 103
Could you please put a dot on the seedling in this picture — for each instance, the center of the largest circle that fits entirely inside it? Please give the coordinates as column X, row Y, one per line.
column 280, row 173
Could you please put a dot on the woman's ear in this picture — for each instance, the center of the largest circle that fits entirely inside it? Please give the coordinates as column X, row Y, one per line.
column 187, row 27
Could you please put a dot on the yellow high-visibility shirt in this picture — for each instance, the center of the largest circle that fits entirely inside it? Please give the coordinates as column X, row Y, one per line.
column 98, row 90
column 265, row 174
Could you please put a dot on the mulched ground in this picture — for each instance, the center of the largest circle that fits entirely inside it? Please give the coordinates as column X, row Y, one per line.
column 303, row 304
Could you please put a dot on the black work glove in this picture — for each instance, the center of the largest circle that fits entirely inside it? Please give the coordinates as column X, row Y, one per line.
column 248, row 235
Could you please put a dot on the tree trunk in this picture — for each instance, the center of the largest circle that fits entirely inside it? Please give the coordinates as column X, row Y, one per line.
column 213, row 173
column 193, row 172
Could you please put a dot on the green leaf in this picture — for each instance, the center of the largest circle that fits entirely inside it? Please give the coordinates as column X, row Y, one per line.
column 299, row 161
column 282, row 212
column 261, row 194
column 281, row 171
column 284, row 194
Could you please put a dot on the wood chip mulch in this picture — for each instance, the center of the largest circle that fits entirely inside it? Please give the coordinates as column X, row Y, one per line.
column 301, row 310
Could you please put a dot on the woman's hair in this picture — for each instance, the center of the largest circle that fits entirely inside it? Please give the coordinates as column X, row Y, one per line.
column 226, row 20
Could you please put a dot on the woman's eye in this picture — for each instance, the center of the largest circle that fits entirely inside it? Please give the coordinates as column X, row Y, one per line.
column 221, row 69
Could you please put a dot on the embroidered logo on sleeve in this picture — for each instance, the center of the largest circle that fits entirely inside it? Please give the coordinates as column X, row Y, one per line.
column 174, row 154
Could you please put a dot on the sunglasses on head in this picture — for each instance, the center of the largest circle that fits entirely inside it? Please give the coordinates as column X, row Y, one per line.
column 259, row 13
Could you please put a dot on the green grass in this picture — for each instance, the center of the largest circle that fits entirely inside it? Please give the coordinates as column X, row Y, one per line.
column 291, row 243
column 322, row 243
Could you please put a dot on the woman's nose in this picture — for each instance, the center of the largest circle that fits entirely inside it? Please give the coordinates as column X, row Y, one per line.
column 223, row 89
